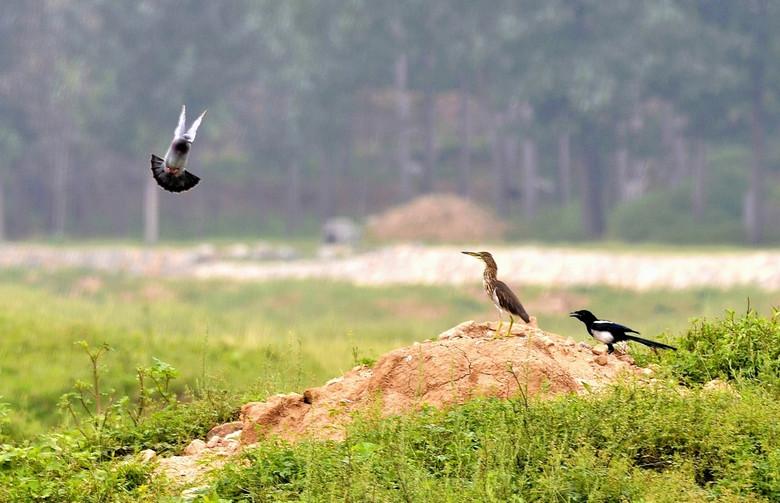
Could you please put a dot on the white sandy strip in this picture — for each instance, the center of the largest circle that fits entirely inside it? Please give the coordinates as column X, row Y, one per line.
column 553, row 267
column 410, row 264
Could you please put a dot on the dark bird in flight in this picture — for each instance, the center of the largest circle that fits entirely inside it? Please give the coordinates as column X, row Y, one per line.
column 170, row 172
column 499, row 293
column 609, row 332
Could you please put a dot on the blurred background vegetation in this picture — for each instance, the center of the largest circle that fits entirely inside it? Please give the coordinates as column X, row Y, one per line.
column 574, row 119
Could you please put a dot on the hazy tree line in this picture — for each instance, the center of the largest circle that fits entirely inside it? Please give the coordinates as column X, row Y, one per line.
column 324, row 107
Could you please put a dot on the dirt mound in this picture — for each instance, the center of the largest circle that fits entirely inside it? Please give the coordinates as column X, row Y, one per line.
column 462, row 364
column 437, row 218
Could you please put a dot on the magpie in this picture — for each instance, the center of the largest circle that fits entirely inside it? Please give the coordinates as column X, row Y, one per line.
column 609, row 332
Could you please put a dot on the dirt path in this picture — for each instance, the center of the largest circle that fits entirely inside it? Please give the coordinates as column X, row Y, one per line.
column 409, row 264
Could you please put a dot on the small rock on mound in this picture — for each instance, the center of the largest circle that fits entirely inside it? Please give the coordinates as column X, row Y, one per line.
column 462, row 364
column 438, row 218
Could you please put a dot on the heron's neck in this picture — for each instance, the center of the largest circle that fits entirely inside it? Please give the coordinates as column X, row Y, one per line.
column 489, row 275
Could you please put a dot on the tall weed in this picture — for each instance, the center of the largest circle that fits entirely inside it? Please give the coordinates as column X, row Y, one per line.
column 745, row 346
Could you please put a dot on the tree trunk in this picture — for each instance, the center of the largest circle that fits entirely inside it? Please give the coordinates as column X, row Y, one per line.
column 510, row 146
column 493, row 126
column 326, row 186
column 683, row 169
column 429, row 125
column 754, row 207
column 675, row 169
column 592, row 185
column 622, row 172
column 509, row 164
column 292, row 213
column 622, row 163
column 151, row 212
column 292, row 145
column 699, row 161
column 529, row 167
column 754, row 203
column 464, row 137
column 60, row 160
column 528, row 183
column 3, row 232
column 564, row 167
column 403, row 125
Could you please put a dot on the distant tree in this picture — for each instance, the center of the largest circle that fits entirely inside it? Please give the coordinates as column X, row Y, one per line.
column 691, row 70
column 577, row 65
column 753, row 26
column 40, row 87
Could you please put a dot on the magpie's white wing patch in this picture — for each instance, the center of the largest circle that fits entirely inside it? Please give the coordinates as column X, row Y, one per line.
column 603, row 336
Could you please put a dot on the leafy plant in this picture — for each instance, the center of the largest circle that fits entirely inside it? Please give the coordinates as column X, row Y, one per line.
column 91, row 408
column 735, row 347
column 161, row 374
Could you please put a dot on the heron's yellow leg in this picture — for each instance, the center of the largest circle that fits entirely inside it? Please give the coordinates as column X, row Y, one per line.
column 511, row 322
column 500, row 324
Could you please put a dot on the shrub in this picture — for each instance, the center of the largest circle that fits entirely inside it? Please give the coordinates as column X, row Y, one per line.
column 666, row 217
column 57, row 467
column 736, row 347
column 557, row 224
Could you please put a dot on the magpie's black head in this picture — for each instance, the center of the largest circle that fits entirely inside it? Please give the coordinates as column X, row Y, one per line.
column 583, row 315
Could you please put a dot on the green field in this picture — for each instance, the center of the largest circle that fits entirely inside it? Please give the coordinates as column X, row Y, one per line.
column 671, row 438
column 255, row 339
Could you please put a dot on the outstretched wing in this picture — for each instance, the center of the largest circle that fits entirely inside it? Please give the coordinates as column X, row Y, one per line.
column 195, row 125
column 182, row 123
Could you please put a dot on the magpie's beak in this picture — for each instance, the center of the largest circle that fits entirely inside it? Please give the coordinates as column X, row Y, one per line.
column 573, row 315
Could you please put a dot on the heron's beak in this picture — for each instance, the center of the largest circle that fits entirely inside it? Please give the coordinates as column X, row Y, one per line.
column 473, row 254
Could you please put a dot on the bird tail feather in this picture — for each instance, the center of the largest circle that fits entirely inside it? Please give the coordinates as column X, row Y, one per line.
column 652, row 344
column 169, row 182
column 524, row 316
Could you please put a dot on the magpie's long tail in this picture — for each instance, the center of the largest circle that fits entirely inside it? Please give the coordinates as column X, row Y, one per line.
column 652, row 344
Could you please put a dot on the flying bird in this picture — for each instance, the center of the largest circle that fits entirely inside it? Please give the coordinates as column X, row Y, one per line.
column 170, row 172
column 499, row 293
column 609, row 332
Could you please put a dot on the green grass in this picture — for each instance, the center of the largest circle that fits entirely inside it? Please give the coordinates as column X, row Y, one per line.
column 640, row 440
column 631, row 443
column 264, row 338
column 670, row 437
column 270, row 337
